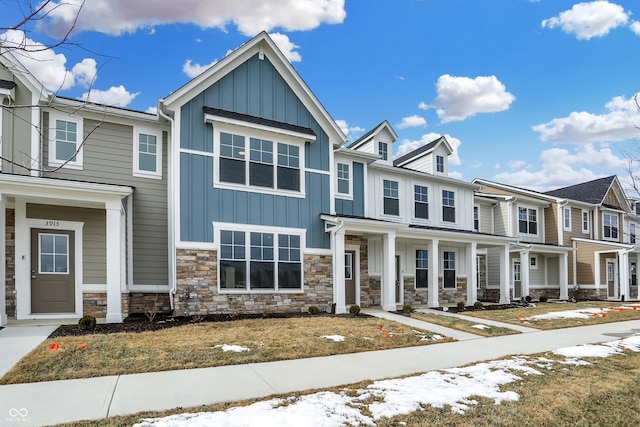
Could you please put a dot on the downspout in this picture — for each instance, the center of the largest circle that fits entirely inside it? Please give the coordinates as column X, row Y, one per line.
column 170, row 179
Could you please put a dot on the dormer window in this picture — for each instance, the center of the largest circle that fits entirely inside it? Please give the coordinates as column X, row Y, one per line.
column 383, row 150
column 440, row 164
column 610, row 226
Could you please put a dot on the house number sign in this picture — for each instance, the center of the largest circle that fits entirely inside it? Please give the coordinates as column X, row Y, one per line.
column 50, row 223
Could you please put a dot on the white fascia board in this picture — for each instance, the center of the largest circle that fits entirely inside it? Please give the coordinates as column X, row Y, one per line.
column 516, row 191
column 348, row 152
column 97, row 112
column 242, row 123
column 402, row 171
column 54, row 188
column 604, row 243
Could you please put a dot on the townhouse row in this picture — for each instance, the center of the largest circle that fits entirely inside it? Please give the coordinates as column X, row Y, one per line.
column 242, row 195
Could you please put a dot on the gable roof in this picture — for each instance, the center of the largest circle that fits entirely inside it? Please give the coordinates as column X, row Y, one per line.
column 367, row 136
column 262, row 45
column 424, row 150
column 589, row 192
column 259, row 121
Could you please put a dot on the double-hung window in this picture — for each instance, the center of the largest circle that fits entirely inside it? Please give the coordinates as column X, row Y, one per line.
column 147, row 153
column 422, row 268
column 260, row 261
column 421, row 202
column 449, row 269
column 391, row 199
column 440, row 164
column 270, row 164
column 585, row 221
column 476, row 218
column 610, row 223
column 65, row 141
column 344, row 179
column 528, row 221
column 632, row 233
column 448, row 206
column 567, row 219
column 383, row 150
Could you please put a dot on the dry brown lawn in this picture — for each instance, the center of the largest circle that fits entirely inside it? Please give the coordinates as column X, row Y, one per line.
column 463, row 325
column 603, row 393
column 198, row 346
column 519, row 316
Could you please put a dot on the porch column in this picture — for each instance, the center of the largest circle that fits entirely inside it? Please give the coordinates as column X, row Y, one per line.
column 114, row 298
column 432, row 280
column 505, row 298
column 563, row 266
column 472, row 280
column 624, row 274
column 388, row 282
column 524, row 272
column 3, row 276
column 338, row 277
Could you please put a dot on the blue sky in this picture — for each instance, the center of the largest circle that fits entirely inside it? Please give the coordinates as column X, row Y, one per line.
column 536, row 94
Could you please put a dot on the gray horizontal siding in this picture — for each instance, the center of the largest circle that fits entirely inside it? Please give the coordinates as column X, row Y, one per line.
column 201, row 204
column 108, row 159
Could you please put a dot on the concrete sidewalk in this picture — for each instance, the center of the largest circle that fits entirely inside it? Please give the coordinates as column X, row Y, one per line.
column 519, row 328
column 17, row 341
column 62, row 401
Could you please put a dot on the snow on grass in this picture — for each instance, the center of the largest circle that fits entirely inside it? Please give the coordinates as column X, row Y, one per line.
column 335, row 338
column 234, row 348
column 479, row 326
column 388, row 398
column 583, row 313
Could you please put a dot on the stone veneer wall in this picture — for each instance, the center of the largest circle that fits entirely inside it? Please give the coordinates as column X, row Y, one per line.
column 140, row 302
column 94, row 304
column 451, row 295
column 369, row 292
column 197, row 288
column 10, row 258
column 413, row 295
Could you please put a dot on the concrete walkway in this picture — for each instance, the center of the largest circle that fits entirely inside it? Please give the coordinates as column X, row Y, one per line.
column 520, row 328
column 17, row 341
column 63, row 401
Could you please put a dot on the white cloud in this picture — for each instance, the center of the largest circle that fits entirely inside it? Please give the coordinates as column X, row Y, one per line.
column 616, row 125
column 462, row 97
column 407, row 146
column 286, row 46
column 192, row 70
column 635, row 27
column 412, row 122
column 117, row 17
column 516, row 164
column 560, row 167
column 48, row 67
column 423, row 106
column 587, row 20
column 116, row 96
column 346, row 129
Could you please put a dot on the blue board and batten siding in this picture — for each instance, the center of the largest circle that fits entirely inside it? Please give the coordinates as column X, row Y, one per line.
column 257, row 89
column 354, row 206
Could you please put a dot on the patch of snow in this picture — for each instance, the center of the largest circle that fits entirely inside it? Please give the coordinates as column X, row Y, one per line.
column 479, row 326
column 335, row 338
column 234, row 348
column 388, row 398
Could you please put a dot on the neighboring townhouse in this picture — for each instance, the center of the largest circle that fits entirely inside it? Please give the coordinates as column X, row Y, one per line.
column 252, row 176
column 403, row 231
column 599, row 222
column 83, row 194
column 538, row 261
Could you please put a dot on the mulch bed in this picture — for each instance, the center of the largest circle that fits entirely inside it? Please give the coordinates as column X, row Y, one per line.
column 139, row 323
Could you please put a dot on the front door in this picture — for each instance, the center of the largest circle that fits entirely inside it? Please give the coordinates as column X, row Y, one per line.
column 349, row 278
column 517, row 279
column 612, row 289
column 52, row 271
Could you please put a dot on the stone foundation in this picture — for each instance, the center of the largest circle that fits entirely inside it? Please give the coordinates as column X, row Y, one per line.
column 94, row 304
column 197, row 288
column 550, row 293
column 371, row 292
column 450, row 295
column 140, row 302
column 412, row 295
column 10, row 257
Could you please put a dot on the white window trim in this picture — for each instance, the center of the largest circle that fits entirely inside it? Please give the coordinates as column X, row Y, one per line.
column 633, row 232
column 386, row 144
column 533, row 262
column 455, row 267
column 564, row 219
column 473, row 220
column 137, row 130
column 248, row 228
column 538, row 220
column 400, row 207
column 443, row 165
column 455, row 207
column 611, row 239
column 52, row 160
column 415, row 269
column 422, row 221
column 585, row 230
column 349, row 195
column 256, row 132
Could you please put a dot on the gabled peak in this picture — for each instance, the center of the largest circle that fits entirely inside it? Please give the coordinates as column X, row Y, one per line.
column 589, row 192
column 423, row 151
column 382, row 128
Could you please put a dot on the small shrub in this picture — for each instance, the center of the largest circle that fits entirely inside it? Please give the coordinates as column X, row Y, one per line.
column 313, row 310
column 87, row 323
column 544, row 298
column 461, row 305
column 527, row 298
column 407, row 308
column 354, row 309
column 478, row 305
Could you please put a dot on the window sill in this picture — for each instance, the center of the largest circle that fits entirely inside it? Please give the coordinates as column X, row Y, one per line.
column 258, row 189
column 73, row 166
column 149, row 175
column 259, row 291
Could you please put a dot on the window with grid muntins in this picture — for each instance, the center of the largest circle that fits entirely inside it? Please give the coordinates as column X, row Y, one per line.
column 422, row 268
column 448, row 206
column 391, row 198
column 383, row 150
column 528, row 221
column 343, row 178
column 421, row 202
